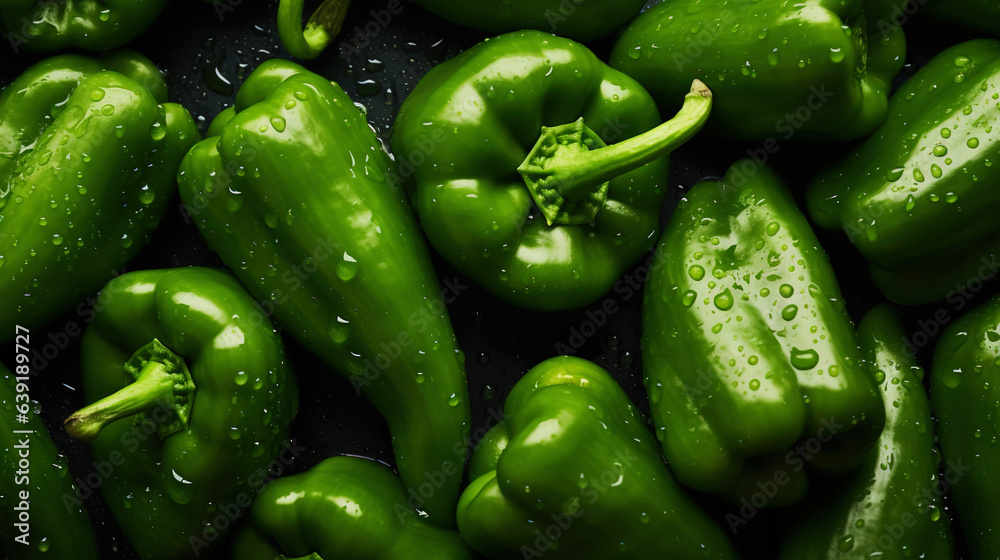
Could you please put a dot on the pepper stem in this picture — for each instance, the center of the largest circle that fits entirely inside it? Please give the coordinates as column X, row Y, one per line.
column 568, row 170
column 323, row 25
column 161, row 380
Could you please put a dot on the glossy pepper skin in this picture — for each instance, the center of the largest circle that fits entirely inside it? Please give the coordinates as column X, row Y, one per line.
column 345, row 507
column 965, row 393
column 88, row 153
column 580, row 478
column 187, row 382
column 94, row 25
column 492, row 205
column 583, row 21
column 297, row 197
column 812, row 69
column 860, row 516
column 917, row 198
column 58, row 527
column 750, row 360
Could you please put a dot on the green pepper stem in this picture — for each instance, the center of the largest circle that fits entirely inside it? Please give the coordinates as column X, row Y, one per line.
column 155, row 384
column 161, row 379
column 568, row 169
column 582, row 171
column 323, row 25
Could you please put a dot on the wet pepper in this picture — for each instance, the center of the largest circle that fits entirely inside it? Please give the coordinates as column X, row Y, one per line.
column 579, row 477
column 750, row 360
column 95, row 25
column 190, row 388
column 297, row 197
column 917, row 199
column 813, row 69
column 88, row 153
column 344, row 507
column 965, row 391
column 889, row 507
column 57, row 526
column 504, row 148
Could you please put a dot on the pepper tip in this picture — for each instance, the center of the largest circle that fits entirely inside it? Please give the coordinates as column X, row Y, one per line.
column 699, row 88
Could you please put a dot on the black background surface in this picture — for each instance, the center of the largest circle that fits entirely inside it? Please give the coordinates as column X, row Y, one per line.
column 206, row 51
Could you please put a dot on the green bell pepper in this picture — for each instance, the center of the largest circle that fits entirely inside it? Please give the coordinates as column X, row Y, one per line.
column 561, row 234
column 95, row 25
column 750, row 360
column 580, row 478
column 344, row 507
column 965, row 393
column 41, row 516
column 578, row 19
column 812, row 69
column 87, row 158
column 890, row 507
column 191, row 400
column 297, row 197
column 917, row 198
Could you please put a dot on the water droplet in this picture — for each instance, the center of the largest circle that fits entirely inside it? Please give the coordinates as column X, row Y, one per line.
column 910, row 203
column 894, row 174
column 940, row 150
column 347, row 268
column 635, row 53
column 339, row 330
column 786, row 290
column 278, row 123
column 97, row 94
column 973, row 143
column 696, row 272
column 453, row 400
column 126, row 241
column 157, row 132
column 846, row 543
column 754, row 384
column 271, row 220
column 688, row 298
column 804, row 359
column 836, row 54
column 146, row 196
column 789, row 312
column 724, row 300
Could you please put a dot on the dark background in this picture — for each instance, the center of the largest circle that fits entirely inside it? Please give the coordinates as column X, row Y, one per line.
column 207, row 50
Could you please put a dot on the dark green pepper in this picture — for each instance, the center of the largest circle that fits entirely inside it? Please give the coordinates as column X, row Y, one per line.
column 812, row 69
column 890, row 507
column 88, row 153
column 917, row 198
column 965, row 392
column 517, row 190
column 580, row 478
column 41, row 516
column 190, row 390
column 95, row 25
column 297, row 197
column 751, row 363
column 344, row 507
column 582, row 20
